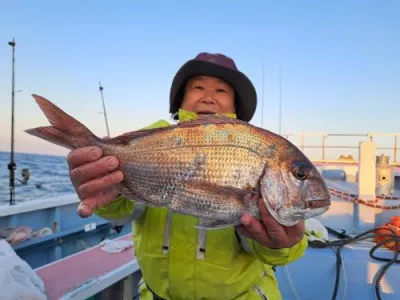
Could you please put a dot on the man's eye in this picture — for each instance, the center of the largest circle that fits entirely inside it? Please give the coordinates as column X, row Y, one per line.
column 221, row 91
column 199, row 87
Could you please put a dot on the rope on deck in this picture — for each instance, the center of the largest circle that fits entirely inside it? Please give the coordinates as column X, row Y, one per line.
column 371, row 203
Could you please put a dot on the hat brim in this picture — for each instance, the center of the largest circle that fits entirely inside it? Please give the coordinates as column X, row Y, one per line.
column 246, row 100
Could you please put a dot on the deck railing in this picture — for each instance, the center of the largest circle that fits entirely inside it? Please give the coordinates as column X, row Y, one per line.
column 324, row 143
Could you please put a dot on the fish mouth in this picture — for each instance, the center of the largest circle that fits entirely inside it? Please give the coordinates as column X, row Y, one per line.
column 318, row 203
column 316, row 207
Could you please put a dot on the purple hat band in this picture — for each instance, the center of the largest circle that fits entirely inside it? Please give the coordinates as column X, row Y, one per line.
column 217, row 59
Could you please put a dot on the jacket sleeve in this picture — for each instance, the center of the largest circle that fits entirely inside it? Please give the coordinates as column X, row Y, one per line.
column 121, row 210
column 274, row 257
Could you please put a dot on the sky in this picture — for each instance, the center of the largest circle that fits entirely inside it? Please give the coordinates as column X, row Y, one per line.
column 337, row 62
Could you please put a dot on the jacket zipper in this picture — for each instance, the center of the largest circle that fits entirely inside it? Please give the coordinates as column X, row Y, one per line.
column 201, row 244
column 260, row 292
column 167, row 233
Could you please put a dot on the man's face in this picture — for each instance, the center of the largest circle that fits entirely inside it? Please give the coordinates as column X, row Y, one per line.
column 207, row 95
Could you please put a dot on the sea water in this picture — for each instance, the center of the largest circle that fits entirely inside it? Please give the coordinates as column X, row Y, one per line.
column 49, row 177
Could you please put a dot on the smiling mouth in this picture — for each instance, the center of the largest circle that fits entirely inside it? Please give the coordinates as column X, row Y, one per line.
column 205, row 113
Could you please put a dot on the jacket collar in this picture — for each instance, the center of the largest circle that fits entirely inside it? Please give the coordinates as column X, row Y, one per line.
column 185, row 115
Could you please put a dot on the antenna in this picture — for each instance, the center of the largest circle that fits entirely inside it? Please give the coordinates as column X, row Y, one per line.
column 12, row 165
column 104, row 108
column 262, row 94
column 280, row 98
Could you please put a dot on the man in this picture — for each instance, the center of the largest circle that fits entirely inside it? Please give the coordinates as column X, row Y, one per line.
column 177, row 260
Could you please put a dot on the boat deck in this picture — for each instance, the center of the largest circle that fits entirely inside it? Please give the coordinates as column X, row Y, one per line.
column 88, row 272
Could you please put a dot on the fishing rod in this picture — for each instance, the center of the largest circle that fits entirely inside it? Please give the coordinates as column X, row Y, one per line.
column 12, row 165
column 104, row 108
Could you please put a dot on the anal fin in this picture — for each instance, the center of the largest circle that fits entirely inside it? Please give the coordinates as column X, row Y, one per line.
column 208, row 224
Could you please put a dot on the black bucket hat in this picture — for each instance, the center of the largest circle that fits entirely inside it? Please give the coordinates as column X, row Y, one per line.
column 222, row 67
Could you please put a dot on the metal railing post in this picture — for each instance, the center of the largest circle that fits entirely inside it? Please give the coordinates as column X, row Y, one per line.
column 323, row 146
column 302, row 142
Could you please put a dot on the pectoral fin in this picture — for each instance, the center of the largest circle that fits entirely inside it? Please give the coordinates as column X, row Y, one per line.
column 228, row 190
column 135, row 197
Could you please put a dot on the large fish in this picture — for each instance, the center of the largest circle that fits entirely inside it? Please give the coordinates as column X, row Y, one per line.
column 204, row 167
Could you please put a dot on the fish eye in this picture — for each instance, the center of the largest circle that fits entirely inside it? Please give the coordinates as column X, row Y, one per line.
column 300, row 172
column 300, row 175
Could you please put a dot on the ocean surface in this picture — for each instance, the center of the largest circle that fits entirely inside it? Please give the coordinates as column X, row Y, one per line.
column 48, row 172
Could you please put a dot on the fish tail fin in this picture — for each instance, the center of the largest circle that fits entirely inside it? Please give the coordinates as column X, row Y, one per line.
column 53, row 135
column 65, row 130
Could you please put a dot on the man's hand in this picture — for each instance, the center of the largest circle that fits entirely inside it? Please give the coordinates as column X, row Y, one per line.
column 94, row 178
column 267, row 231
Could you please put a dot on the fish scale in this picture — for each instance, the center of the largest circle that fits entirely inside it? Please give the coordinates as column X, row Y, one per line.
column 184, row 179
column 200, row 202
column 204, row 167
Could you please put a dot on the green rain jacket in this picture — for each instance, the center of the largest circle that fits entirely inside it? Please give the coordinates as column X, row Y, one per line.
column 180, row 262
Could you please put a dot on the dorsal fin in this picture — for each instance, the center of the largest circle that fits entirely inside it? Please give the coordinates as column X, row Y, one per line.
column 128, row 136
column 201, row 120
